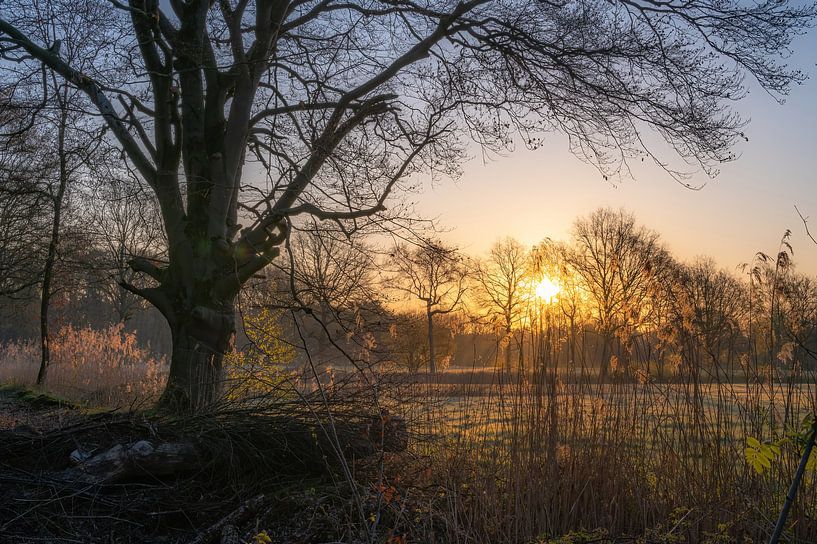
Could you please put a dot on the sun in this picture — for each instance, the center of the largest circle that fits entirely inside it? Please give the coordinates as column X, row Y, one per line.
column 547, row 289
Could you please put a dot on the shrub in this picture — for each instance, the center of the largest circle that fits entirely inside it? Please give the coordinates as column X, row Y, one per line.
column 258, row 368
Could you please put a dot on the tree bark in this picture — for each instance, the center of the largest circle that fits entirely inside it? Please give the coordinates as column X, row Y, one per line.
column 200, row 341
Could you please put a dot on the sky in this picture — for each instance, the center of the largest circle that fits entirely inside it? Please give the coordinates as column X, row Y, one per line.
column 530, row 195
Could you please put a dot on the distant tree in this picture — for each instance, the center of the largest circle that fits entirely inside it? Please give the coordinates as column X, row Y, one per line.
column 767, row 276
column 702, row 310
column 330, row 272
column 41, row 162
column 407, row 343
column 121, row 223
column 550, row 259
column 618, row 262
column 434, row 274
column 23, row 164
column 501, row 279
column 342, row 103
column 330, row 282
column 798, row 309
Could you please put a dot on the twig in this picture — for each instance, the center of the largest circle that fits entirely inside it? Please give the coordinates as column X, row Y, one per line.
column 236, row 517
column 805, row 224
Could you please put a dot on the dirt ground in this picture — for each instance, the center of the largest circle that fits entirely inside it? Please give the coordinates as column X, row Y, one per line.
column 32, row 412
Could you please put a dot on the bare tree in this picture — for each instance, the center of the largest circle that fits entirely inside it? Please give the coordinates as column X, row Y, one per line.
column 501, row 277
column 617, row 261
column 331, row 278
column 340, row 103
column 434, row 274
column 799, row 313
column 57, row 198
column 22, row 200
column 550, row 259
column 407, row 340
column 121, row 222
column 37, row 182
column 715, row 301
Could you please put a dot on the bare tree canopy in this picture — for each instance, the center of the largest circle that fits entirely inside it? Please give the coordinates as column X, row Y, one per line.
column 621, row 264
column 434, row 274
column 340, row 103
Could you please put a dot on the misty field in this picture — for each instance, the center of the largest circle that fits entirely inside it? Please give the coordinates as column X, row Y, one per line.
column 721, row 408
column 667, row 460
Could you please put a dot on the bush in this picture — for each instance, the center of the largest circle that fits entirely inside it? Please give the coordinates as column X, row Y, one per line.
column 258, row 368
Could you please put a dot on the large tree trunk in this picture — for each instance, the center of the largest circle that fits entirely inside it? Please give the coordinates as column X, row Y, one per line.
column 200, row 341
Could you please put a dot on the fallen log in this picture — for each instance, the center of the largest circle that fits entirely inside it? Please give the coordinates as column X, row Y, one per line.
column 133, row 461
column 143, row 459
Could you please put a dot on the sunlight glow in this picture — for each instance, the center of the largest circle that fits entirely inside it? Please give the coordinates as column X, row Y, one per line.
column 547, row 289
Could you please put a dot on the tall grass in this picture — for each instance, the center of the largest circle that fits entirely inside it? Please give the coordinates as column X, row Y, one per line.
column 94, row 367
column 554, row 452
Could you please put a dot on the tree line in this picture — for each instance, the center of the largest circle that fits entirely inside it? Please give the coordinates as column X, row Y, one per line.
column 611, row 301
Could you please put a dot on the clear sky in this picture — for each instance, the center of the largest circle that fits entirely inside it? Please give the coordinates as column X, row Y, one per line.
column 530, row 195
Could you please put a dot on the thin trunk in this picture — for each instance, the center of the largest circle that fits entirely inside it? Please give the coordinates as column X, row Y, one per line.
column 606, row 353
column 509, row 339
column 51, row 257
column 432, row 363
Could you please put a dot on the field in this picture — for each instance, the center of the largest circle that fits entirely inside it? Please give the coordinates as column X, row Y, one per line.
column 664, row 461
column 509, row 457
column 493, row 410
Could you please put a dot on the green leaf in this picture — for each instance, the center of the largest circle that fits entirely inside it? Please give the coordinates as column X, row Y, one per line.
column 811, row 464
column 753, row 442
column 757, row 461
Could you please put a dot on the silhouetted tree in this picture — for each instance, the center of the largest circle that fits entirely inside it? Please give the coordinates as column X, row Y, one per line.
column 342, row 102
column 501, row 277
column 331, row 278
column 434, row 274
column 23, row 165
column 123, row 220
column 407, row 341
column 551, row 259
column 617, row 261
column 40, row 162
